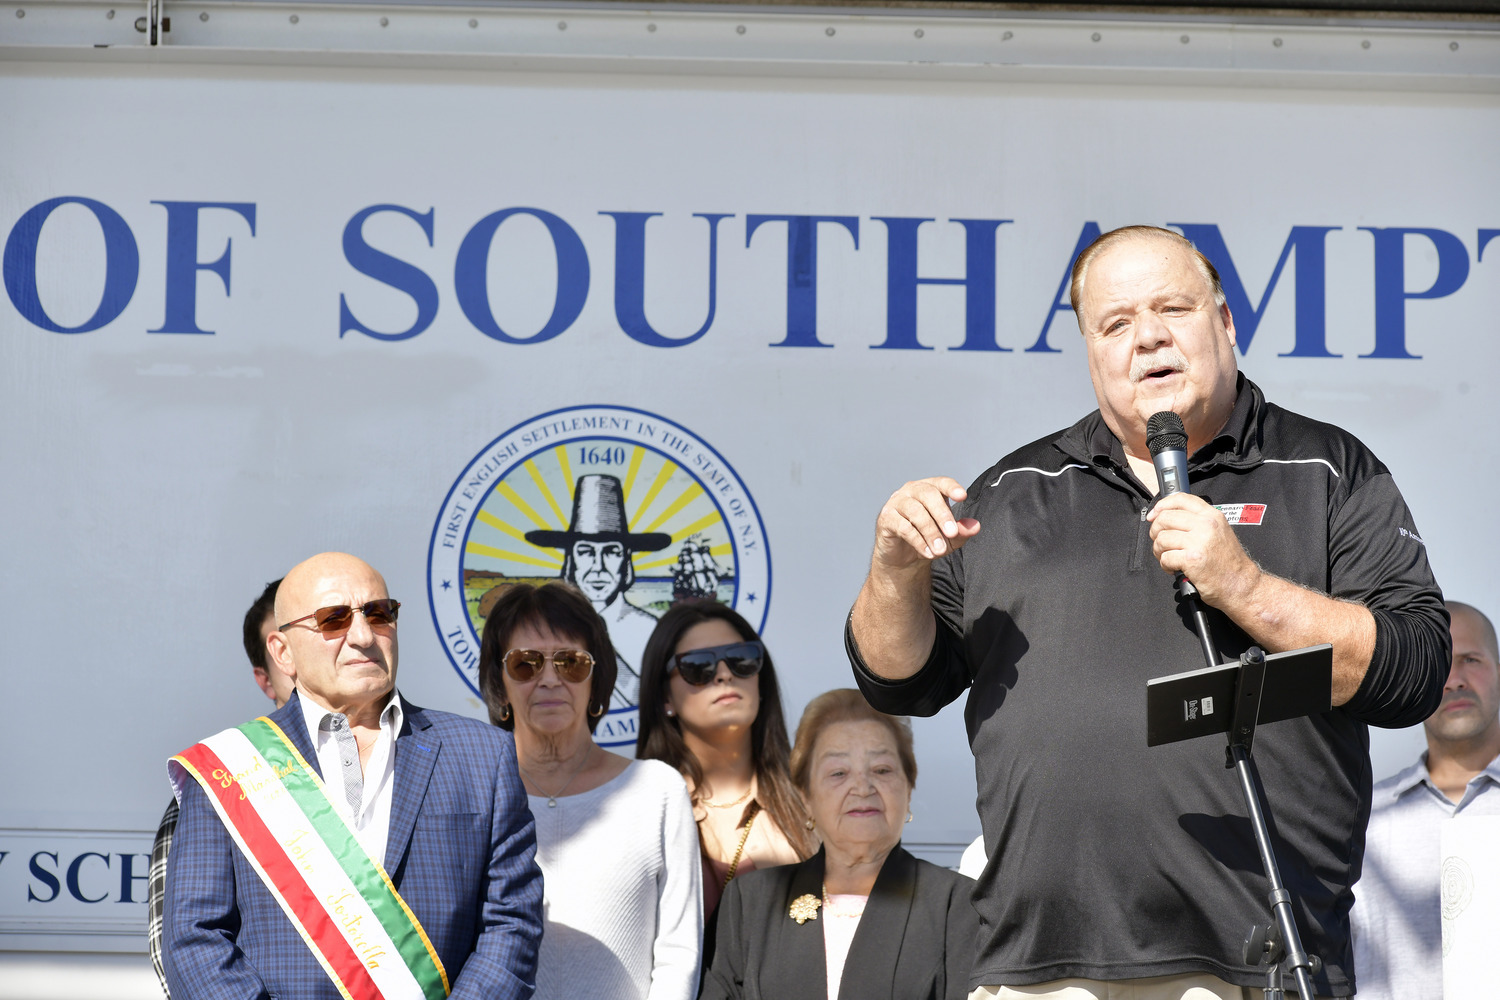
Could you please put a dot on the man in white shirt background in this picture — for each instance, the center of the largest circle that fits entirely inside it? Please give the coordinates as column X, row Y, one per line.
column 1397, row 916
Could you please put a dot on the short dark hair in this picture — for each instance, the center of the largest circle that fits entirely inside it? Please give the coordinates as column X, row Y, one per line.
column 660, row 737
column 263, row 608
column 561, row 609
column 846, row 705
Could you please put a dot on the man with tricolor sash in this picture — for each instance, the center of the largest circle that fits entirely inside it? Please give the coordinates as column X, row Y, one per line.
column 350, row 844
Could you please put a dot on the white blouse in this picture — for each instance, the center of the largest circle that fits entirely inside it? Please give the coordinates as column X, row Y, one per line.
column 841, row 915
column 622, row 911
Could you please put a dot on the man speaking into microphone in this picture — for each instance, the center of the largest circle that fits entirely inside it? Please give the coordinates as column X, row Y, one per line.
column 1041, row 591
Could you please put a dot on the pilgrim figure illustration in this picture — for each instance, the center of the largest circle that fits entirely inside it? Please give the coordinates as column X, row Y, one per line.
column 597, row 548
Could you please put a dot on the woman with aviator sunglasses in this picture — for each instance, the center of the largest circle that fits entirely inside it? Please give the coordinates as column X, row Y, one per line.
column 615, row 837
column 710, row 707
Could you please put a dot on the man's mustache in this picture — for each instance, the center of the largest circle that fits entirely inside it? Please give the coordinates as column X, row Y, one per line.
column 1167, row 357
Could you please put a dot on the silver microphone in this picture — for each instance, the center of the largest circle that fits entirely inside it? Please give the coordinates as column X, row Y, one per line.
column 1167, row 439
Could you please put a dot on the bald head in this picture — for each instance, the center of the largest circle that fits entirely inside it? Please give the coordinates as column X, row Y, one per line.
column 347, row 671
column 1483, row 628
column 310, row 576
column 1467, row 722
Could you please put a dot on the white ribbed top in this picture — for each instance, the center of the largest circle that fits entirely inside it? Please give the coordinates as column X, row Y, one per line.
column 622, row 914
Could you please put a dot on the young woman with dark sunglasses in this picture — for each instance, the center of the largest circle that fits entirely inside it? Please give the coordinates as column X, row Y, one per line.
column 711, row 708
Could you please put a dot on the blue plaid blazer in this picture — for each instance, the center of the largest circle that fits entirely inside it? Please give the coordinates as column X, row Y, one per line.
column 461, row 852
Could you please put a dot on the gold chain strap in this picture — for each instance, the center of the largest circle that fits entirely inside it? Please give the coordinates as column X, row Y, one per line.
column 734, row 863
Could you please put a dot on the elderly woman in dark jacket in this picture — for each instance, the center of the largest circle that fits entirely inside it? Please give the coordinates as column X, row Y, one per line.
column 862, row 919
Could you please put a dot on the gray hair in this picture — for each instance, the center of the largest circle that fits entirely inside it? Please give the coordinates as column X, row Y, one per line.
column 1125, row 233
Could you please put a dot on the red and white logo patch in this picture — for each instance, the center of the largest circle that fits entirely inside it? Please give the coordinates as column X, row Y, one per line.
column 1242, row 513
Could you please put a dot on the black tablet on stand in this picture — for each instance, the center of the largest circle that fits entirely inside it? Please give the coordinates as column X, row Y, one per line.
column 1233, row 698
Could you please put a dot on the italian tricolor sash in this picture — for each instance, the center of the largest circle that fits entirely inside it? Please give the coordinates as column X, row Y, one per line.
column 337, row 896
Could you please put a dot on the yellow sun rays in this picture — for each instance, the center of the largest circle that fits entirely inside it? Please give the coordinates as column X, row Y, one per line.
column 667, row 468
column 499, row 525
column 561, row 451
column 475, row 548
column 509, row 492
column 636, row 454
column 684, row 498
column 549, row 502
column 541, row 484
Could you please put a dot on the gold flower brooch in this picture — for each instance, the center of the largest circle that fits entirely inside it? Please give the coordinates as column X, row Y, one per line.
column 804, row 908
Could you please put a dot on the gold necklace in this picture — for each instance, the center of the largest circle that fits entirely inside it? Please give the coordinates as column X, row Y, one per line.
column 739, row 852
column 552, row 799
column 730, row 805
column 828, row 906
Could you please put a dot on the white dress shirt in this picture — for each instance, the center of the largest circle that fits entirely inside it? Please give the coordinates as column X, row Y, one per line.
column 372, row 825
column 1397, row 919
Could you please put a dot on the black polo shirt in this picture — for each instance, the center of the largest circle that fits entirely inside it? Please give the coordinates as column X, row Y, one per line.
column 1111, row 860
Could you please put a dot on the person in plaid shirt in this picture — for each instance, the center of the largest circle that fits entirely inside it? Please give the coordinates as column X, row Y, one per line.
column 259, row 622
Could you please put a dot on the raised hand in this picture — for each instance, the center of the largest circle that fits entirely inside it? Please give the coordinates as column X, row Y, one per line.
column 916, row 525
column 892, row 618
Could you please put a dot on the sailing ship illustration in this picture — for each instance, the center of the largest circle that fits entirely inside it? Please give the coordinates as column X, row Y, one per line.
column 696, row 575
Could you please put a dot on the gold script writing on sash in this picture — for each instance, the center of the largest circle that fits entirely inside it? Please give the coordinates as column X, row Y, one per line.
column 301, row 849
column 225, row 779
column 367, row 950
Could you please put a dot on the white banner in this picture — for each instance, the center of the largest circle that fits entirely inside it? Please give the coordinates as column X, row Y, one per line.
column 252, row 313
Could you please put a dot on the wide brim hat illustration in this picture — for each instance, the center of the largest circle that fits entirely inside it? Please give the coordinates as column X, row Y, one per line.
column 599, row 516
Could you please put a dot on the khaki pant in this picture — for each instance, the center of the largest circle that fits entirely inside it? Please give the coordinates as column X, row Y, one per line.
column 1190, row 987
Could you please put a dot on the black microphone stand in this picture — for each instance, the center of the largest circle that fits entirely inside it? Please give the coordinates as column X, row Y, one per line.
column 1277, row 943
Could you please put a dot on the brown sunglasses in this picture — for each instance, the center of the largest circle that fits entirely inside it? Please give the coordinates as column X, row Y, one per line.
column 572, row 665
column 341, row 616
